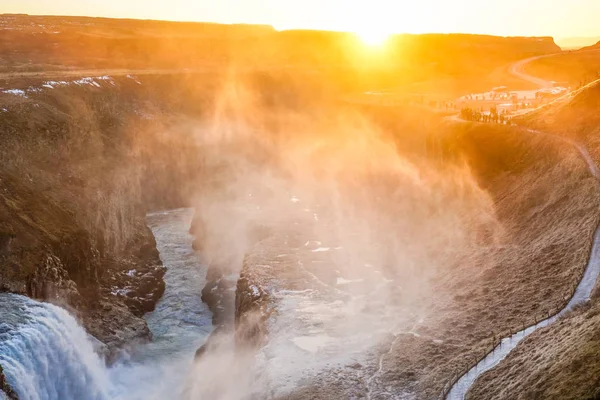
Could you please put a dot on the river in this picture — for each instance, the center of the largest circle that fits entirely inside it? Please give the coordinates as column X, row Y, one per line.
column 47, row 355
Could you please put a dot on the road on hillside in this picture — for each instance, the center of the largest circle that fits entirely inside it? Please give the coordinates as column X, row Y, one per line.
column 517, row 70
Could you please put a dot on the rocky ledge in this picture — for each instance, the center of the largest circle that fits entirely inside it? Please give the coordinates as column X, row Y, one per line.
column 109, row 291
column 4, row 387
column 223, row 280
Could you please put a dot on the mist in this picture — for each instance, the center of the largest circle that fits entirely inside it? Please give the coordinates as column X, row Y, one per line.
column 347, row 236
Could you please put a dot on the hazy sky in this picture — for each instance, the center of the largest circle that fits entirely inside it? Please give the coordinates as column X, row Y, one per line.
column 558, row 18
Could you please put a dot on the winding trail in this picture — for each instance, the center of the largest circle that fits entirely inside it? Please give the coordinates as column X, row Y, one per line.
column 582, row 292
column 517, row 70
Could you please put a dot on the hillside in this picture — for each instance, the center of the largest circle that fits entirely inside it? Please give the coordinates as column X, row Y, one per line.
column 559, row 361
column 592, row 47
column 32, row 44
column 576, row 119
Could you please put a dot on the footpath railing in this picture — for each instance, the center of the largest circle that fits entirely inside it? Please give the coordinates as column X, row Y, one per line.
column 496, row 338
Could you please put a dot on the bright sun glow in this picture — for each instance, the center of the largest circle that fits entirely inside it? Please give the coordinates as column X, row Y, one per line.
column 373, row 37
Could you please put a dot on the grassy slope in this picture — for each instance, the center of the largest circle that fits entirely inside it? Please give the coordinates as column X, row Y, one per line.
column 558, row 362
column 561, row 361
column 548, row 205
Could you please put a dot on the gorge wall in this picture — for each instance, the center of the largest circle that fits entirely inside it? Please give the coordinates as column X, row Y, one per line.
column 81, row 167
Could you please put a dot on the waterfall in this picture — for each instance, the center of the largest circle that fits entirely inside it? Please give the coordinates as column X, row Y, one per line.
column 46, row 354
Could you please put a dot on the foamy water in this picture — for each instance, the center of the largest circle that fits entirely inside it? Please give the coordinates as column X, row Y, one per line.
column 47, row 355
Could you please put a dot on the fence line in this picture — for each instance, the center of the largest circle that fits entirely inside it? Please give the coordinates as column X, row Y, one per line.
column 496, row 340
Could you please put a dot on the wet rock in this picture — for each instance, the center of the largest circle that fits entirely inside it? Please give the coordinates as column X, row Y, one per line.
column 5, row 387
column 51, row 282
column 144, row 291
column 116, row 328
column 251, row 313
column 219, row 295
column 214, row 341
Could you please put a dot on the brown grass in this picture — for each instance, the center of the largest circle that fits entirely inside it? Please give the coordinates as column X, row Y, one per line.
column 548, row 204
column 557, row 362
column 560, row 361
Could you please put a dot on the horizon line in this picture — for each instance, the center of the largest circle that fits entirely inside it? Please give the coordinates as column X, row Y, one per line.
column 283, row 29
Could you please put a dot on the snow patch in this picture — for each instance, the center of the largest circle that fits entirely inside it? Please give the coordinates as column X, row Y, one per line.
column 53, row 84
column 134, row 78
column 16, row 92
column 87, row 81
column 119, row 292
column 255, row 291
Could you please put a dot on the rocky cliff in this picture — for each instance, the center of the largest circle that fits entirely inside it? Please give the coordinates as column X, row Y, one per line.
column 75, row 186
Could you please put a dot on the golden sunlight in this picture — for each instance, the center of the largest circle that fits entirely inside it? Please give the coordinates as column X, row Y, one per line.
column 373, row 37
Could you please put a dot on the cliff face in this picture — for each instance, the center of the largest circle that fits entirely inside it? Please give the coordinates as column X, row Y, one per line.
column 81, row 166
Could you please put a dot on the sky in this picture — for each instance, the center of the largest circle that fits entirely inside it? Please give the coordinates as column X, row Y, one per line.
column 557, row 18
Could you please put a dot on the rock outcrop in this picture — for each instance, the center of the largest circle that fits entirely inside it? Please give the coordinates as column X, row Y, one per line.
column 72, row 209
column 4, row 387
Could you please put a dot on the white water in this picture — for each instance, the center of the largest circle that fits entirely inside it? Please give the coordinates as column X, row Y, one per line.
column 46, row 355
column 582, row 293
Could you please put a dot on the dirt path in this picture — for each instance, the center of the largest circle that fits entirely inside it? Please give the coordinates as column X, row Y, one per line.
column 516, row 69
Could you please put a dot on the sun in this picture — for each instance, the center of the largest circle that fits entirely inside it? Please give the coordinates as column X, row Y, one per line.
column 373, row 37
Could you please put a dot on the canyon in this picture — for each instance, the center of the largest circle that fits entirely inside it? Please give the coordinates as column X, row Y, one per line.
column 343, row 249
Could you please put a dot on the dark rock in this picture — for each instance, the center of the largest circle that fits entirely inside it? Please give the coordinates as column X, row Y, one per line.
column 114, row 325
column 51, row 282
column 6, row 239
column 5, row 387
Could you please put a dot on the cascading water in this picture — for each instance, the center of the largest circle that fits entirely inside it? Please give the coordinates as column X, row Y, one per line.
column 47, row 355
